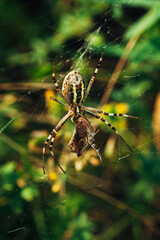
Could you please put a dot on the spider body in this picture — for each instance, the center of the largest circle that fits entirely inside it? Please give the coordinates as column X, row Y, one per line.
column 73, row 88
column 74, row 93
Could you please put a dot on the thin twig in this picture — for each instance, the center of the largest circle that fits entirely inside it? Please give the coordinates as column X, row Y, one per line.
column 25, row 86
column 117, row 71
column 12, row 143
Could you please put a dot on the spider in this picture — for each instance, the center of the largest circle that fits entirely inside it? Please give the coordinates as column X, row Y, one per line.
column 74, row 93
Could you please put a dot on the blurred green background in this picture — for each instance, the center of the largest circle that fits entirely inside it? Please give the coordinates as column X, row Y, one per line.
column 119, row 199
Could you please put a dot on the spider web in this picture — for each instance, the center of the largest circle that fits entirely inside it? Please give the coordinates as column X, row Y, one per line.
column 94, row 181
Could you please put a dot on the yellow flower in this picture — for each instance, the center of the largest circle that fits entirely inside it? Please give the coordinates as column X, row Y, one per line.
column 107, row 107
column 9, row 99
column 56, row 187
column 121, row 108
column 49, row 103
column 52, row 176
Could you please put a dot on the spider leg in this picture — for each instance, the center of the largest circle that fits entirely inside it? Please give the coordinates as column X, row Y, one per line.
column 94, row 75
column 56, row 100
column 52, row 136
column 109, row 125
column 110, row 114
column 51, row 151
column 56, row 84
column 44, row 149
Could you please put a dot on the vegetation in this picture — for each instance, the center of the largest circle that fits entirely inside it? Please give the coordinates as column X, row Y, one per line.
column 116, row 199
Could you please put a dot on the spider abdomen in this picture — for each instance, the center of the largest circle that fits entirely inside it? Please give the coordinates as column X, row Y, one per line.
column 73, row 87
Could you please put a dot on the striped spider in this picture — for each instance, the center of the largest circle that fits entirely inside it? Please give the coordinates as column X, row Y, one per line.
column 74, row 93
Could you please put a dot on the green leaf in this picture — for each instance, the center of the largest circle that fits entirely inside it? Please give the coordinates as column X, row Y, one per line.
column 8, row 168
column 29, row 193
column 145, row 23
